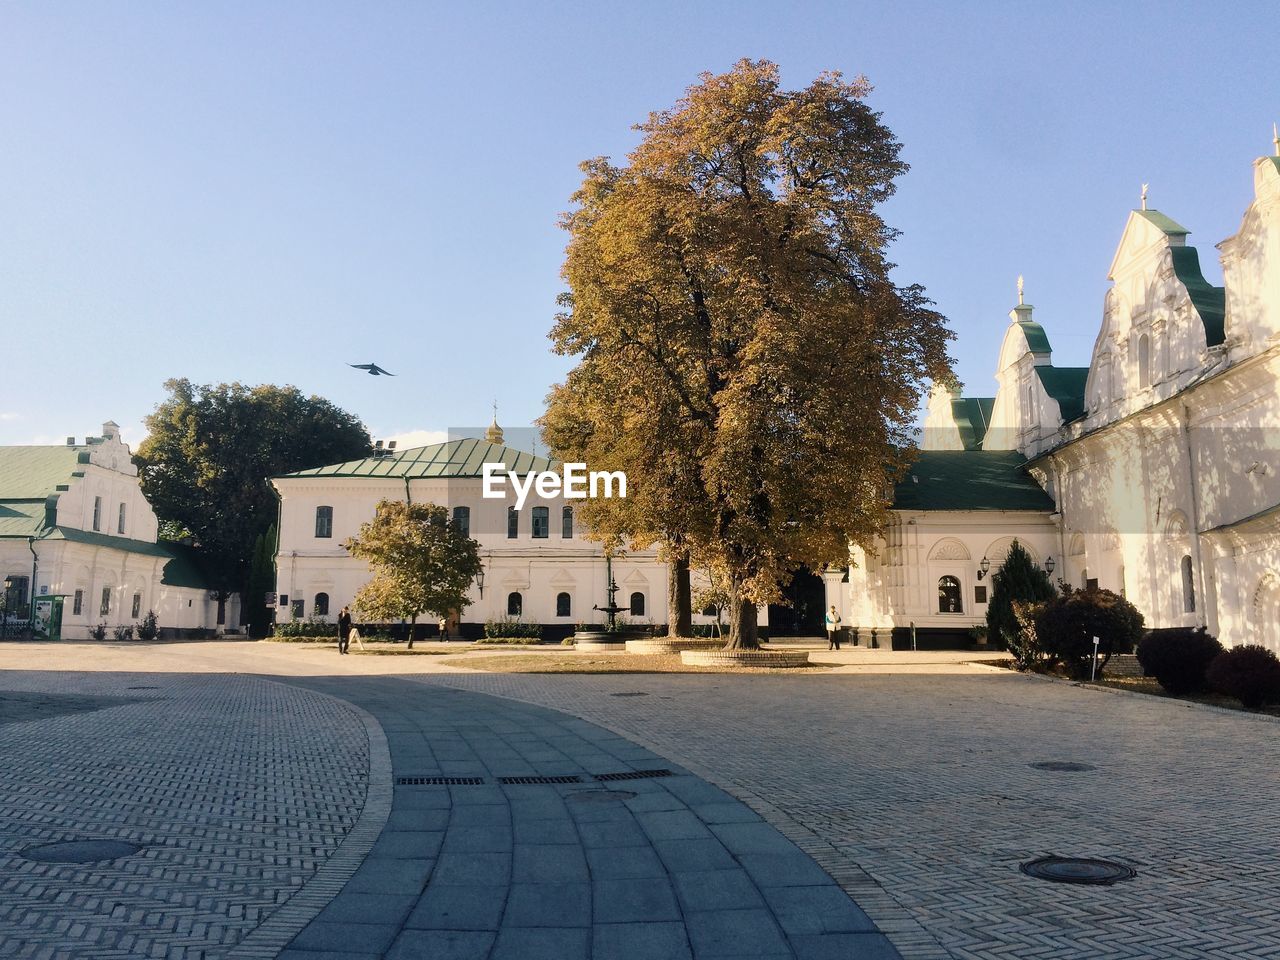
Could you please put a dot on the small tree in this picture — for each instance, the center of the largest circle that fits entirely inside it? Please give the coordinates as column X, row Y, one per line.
column 421, row 563
column 713, row 593
column 1066, row 625
column 1019, row 579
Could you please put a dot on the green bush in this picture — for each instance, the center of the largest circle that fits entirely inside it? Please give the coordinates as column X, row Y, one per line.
column 147, row 628
column 1065, row 626
column 99, row 632
column 1250, row 673
column 512, row 628
column 311, row 627
column 509, row 641
column 123, row 632
column 1179, row 658
column 1018, row 581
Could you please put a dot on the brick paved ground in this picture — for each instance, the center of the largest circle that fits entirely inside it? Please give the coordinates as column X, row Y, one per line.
column 917, row 793
column 238, row 789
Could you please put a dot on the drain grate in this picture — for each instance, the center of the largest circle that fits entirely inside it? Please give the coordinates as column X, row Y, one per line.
column 439, row 781
column 1078, row 870
column 80, row 851
column 634, row 775
column 1062, row 766
column 630, row 693
column 531, row 780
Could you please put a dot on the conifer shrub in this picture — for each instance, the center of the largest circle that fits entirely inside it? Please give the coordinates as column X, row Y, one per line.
column 1249, row 673
column 1019, row 580
column 1179, row 659
column 147, row 628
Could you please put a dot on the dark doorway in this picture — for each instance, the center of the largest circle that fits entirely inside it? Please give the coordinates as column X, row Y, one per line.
column 802, row 617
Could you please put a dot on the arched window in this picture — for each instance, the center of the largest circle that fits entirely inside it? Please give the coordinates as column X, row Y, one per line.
column 566, row 523
column 515, row 604
column 564, row 605
column 949, row 595
column 1188, row 586
column 321, row 607
column 462, row 520
column 324, row 522
column 637, row 604
column 1144, row 362
column 541, row 523
column 513, row 523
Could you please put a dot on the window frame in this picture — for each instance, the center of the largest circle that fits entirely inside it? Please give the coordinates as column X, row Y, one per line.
column 564, row 604
column 461, row 520
column 324, row 512
column 319, row 606
column 637, row 595
column 97, row 514
column 540, row 523
column 120, row 519
column 104, row 607
column 515, row 604
column 513, row 523
column 566, row 523
column 949, row 592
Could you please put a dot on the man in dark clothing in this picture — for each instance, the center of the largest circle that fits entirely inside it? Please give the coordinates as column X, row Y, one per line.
column 344, row 630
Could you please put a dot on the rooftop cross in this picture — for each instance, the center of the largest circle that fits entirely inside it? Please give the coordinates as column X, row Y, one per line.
column 1144, row 195
column 1275, row 138
column 1019, row 289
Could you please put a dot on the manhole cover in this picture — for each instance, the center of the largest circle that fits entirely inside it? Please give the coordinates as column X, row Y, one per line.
column 81, row 851
column 1077, row 870
column 1062, row 766
column 600, row 796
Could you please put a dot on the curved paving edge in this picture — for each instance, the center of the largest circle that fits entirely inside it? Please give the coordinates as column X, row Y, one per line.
column 906, row 934
column 271, row 936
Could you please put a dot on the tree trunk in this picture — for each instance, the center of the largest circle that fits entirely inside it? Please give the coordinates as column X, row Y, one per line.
column 413, row 628
column 679, row 598
column 742, row 626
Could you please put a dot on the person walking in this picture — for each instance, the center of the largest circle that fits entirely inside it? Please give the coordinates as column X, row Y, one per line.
column 833, row 629
column 444, row 628
column 344, row 630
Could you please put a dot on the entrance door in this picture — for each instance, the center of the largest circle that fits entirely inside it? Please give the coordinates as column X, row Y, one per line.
column 802, row 615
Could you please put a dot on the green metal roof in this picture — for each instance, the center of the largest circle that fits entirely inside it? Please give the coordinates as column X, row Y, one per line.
column 183, row 568
column 32, row 473
column 455, row 459
column 21, row 518
column 1066, row 385
column 1037, row 339
column 1161, row 222
column 1210, row 301
column 969, row 480
column 972, row 416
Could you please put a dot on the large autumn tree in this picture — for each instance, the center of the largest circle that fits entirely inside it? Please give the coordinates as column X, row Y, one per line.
column 421, row 563
column 743, row 353
column 209, row 455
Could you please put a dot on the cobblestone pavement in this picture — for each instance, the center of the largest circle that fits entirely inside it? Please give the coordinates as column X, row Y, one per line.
column 918, row 794
column 238, row 789
column 644, row 867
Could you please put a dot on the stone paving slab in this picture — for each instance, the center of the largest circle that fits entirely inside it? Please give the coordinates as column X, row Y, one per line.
column 625, row 869
column 918, row 796
column 239, row 790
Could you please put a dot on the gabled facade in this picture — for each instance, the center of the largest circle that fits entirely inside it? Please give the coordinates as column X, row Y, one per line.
column 75, row 525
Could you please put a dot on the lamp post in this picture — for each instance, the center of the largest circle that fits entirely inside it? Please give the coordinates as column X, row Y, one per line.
column 480, row 581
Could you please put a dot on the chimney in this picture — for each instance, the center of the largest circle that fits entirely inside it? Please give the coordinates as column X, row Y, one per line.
column 71, row 441
column 391, row 445
column 110, row 429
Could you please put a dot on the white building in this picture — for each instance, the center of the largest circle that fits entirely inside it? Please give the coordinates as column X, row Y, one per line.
column 78, row 537
column 537, row 565
column 1154, row 472
column 1162, row 457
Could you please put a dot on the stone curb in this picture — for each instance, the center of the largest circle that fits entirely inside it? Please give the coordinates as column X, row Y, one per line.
column 745, row 658
column 271, row 936
column 670, row 646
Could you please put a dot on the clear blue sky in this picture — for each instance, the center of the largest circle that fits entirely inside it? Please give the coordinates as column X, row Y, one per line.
column 266, row 192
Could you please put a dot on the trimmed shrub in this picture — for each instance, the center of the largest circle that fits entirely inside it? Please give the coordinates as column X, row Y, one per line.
column 1179, row 658
column 512, row 628
column 99, row 632
column 311, row 627
column 1250, row 673
column 123, row 632
column 147, row 628
column 1066, row 625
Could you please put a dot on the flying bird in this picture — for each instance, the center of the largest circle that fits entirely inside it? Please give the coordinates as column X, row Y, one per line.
column 373, row 368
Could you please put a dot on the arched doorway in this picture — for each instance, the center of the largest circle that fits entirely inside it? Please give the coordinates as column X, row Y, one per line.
column 802, row 615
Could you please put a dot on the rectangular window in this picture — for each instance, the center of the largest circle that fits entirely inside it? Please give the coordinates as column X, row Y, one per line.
column 324, row 523
column 120, row 524
column 104, row 609
column 541, row 523
column 513, row 523
column 97, row 513
column 566, row 523
column 77, row 605
column 137, row 605
column 15, row 601
column 1091, row 583
column 297, row 609
column 462, row 520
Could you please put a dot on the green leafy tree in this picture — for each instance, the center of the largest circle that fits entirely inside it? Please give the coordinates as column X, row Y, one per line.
column 1019, row 579
column 261, row 581
column 421, row 563
column 743, row 353
column 210, row 452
